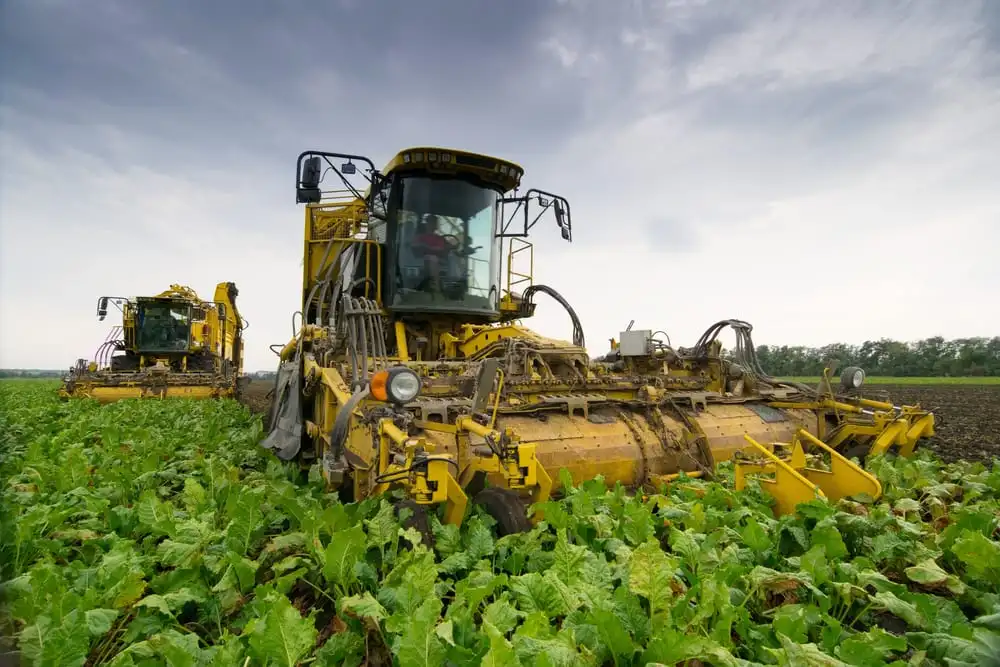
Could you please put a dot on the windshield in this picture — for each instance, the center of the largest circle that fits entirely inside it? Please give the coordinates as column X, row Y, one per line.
column 447, row 251
column 163, row 327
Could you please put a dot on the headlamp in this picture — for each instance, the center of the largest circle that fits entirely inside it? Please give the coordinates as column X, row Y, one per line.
column 398, row 385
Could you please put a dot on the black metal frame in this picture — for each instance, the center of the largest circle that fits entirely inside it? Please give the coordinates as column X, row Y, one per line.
column 546, row 200
column 102, row 305
column 307, row 189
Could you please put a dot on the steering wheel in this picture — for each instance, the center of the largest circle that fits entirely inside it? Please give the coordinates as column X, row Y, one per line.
column 455, row 242
column 456, row 245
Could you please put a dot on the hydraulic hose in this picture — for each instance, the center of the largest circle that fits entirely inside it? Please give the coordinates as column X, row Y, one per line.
column 529, row 293
column 338, row 434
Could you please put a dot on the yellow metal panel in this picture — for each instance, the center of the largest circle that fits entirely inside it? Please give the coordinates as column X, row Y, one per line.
column 725, row 425
column 112, row 394
column 621, row 451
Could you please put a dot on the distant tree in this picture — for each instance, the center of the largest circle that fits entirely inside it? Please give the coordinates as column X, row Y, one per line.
column 931, row 357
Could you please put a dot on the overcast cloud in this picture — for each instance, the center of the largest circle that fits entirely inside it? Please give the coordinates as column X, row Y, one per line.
column 827, row 171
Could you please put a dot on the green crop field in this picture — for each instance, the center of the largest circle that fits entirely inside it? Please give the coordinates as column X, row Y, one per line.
column 159, row 533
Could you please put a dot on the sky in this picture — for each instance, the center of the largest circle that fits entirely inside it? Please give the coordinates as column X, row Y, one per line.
column 825, row 171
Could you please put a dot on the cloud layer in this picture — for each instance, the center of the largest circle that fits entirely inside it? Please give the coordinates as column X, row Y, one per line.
column 826, row 171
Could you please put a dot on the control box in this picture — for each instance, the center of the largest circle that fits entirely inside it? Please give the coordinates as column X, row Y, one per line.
column 635, row 343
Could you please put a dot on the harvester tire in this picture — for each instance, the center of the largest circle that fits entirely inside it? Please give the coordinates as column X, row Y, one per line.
column 859, row 451
column 418, row 520
column 507, row 509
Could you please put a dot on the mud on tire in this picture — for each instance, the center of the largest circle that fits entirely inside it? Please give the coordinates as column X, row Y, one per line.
column 418, row 520
column 507, row 508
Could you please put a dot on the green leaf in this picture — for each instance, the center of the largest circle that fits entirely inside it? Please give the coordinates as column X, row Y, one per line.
column 156, row 602
column 928, row 573
column 795, row 621
column 48, row 645
column 178, row 649
column 344, row 649
column 870, row 649
column 501, row 614
column 478, row 586
column 383, row 526
column 346, row 547
column 501, row 653
column 980, row 555
column 981, row 651
column 419, row 645
column 363, row 606
column 247, row 520
column 568, row 559
column 535, row 592
column 754, row 536
column 793, row 654
column 409, row 584
column 886, row 601
column 638, row 523
column 671, row 647
column 826, row 534
column 815, row 564
column 99, row 620
column 281, row 636
column 650, row 573
column 614, row 635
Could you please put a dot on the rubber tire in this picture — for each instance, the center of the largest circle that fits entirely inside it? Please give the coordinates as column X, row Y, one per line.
column 851, row 370
column 418, row 520
column 506, row 507
column 859, row 451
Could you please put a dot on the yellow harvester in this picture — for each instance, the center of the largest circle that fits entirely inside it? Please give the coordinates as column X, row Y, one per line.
column 410, row 367
column 171, row 344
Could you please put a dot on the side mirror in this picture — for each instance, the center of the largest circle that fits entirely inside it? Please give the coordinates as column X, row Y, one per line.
column 102, row 308
column 308, row 190
column 562, row 221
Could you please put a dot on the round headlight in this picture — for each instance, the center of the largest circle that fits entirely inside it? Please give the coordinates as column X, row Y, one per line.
column 852, row 377
column 403, row 385
column 397, row 385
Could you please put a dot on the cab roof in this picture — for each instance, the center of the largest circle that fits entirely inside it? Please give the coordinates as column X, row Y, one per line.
column 433, row 159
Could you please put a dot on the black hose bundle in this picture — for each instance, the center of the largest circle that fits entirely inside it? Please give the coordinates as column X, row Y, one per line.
column 529, row 293
column 745, row 352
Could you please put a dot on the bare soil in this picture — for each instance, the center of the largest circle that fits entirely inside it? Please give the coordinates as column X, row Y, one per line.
column 967, row 416
column 257, row 397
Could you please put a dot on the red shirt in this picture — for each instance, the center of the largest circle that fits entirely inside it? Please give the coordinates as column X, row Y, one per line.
column 432, row 241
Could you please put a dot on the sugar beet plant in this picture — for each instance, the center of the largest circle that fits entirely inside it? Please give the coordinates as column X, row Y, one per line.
column 158, row 533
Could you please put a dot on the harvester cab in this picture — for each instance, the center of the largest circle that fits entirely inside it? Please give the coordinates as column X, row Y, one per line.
column 171, row 344
column 409, row 368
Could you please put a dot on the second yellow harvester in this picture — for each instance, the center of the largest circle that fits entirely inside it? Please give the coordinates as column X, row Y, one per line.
column 173, row 344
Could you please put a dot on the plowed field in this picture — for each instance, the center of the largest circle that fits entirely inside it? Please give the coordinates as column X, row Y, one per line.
column 256, row 395
column 968, row 416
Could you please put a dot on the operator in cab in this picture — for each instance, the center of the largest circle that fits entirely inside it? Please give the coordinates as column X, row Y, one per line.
column 433, row 246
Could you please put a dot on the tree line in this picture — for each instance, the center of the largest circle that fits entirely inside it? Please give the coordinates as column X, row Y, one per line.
column 29, row 373
column 931, row 357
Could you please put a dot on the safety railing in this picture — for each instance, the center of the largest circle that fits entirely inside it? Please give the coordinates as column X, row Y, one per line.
column 517, row 279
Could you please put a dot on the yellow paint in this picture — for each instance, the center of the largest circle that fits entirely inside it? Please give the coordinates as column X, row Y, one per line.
column 794, row 482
